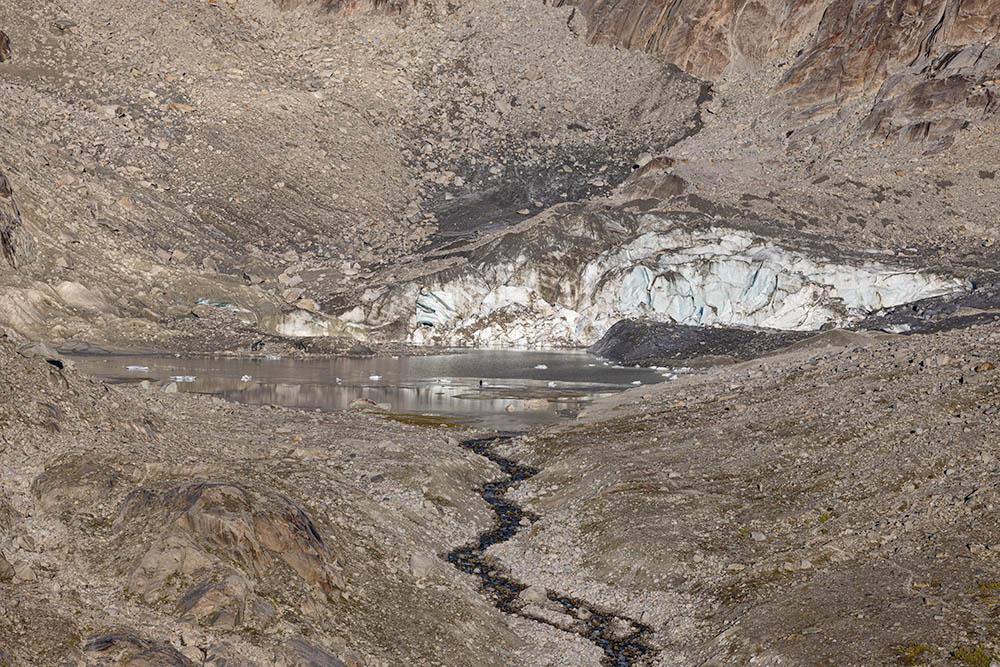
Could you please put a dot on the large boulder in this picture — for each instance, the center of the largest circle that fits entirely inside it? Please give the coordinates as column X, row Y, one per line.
column 217, row 544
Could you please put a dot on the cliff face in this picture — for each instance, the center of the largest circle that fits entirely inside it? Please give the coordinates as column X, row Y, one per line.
column 702, row 37
column 928, row 66
column 840, row 46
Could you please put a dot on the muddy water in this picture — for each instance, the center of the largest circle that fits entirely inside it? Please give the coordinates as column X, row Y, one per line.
column 499, row 389
column 620, row 638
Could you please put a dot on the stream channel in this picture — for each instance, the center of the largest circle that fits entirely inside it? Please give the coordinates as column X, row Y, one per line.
column 501, row 390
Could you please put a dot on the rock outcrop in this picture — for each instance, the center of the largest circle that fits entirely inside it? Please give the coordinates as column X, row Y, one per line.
column 702, row 37
column 5, row 52
column 16, row 244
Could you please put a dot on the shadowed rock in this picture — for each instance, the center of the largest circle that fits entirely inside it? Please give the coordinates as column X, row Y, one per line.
column 16, row 244
column 5, row 53
column 6, row 569
column 127, row 648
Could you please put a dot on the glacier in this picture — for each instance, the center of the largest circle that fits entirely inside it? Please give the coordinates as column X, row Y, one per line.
column 564, row 281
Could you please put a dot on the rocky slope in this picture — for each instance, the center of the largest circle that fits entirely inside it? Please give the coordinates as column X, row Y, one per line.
column 828, row 505
column 148, row 528
column 290, row 151
column 232, row 175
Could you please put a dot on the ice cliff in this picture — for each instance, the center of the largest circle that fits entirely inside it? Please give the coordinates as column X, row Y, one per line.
column 566, row 281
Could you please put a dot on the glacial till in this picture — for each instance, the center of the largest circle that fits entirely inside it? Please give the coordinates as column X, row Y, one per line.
column 621, row 638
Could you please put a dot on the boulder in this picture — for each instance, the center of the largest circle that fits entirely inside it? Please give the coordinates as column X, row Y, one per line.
column 217, row 541
column 219, row 601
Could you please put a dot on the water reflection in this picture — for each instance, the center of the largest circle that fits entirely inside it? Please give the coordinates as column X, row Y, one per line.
column 495, row 388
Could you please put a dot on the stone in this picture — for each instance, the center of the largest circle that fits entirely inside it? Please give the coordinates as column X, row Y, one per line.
column 6, row 569
column 421, row 566
column 289, row 281
column 23, row 573
column 291, row 295
column 5, row 51
column 76, row 483
column 127, row 648
column 170, row 388
column 307, row 305
column 534, row 594
column 76, row 295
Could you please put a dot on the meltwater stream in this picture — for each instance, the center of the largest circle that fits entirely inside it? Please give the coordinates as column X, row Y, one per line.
column 619, row 637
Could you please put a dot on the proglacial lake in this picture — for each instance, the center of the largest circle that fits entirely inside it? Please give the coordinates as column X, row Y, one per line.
column 497, row 389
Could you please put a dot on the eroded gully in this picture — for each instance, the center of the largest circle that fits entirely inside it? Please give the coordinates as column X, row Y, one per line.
column 622, row 639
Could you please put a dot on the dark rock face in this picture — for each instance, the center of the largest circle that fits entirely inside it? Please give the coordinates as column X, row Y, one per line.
column 632, row 342
column 16, row 244
column 4, row 46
